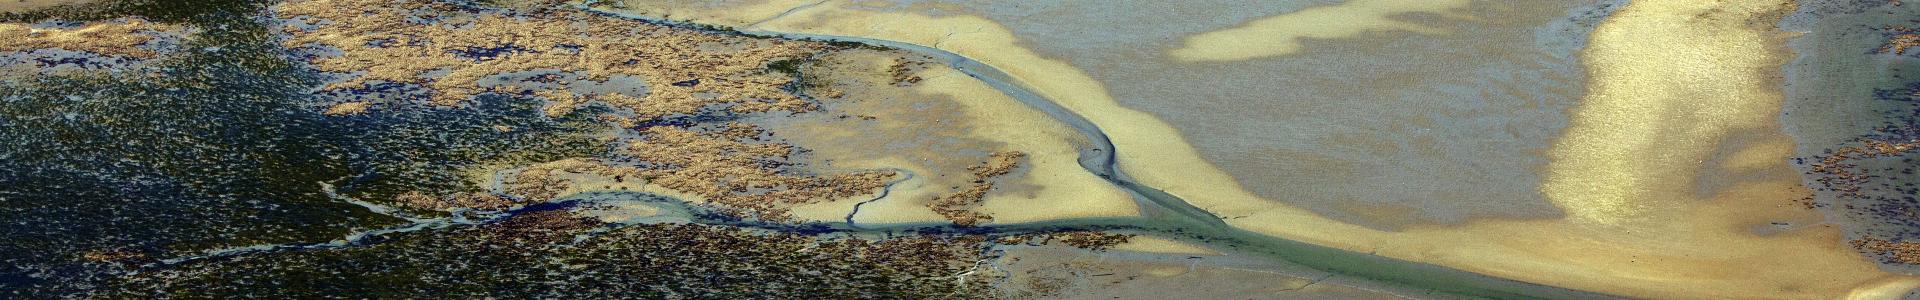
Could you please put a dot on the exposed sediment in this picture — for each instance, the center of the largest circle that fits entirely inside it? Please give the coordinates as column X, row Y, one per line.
column 686, row 150
column 1481, row 246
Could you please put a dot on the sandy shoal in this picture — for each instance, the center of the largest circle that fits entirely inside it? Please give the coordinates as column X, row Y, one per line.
column 1628, row 169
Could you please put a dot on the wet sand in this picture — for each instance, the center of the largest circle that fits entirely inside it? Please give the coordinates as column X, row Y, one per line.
column 1375, row 115
column 935, row 128
column 1664, row 239
column 1285, row 34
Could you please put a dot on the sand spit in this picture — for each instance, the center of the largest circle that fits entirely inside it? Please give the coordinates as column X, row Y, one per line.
column 935, row 122
column 1634, row 244
column 1147, row 144
column 1644, row 127
column 1281, row 35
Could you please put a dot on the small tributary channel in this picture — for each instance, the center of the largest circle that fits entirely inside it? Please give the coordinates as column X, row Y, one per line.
column 1162, row 214
column 1165, row 214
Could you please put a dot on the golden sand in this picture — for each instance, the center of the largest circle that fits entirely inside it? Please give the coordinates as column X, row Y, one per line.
column 1666, row 87
column 1283, row 34
column 1884, row 290
column 1057, row 187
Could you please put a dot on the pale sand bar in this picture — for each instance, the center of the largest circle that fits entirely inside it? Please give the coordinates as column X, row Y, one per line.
column 1630, row 242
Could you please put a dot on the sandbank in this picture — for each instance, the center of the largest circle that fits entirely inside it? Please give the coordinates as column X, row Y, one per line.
column 1639, row 239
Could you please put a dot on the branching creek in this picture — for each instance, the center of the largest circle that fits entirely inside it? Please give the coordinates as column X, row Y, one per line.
column 1162, row 214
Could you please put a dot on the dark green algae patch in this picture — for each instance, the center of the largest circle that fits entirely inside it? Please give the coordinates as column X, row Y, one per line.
column 122, row 184
column 106, row 178
column 553, row 254
column 220, row 144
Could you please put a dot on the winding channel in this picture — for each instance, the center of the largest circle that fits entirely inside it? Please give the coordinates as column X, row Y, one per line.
column 1166, row 214
column 1162, row 214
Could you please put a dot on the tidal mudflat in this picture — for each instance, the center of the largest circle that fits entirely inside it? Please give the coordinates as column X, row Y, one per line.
column 1349, row 149
column 1567, row 143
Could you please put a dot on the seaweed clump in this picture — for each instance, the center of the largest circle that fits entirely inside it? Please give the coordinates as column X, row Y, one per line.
column 451, row 49
column 1089, row 240
column 1873, row 178
column 1899, row 40
column 958, row 206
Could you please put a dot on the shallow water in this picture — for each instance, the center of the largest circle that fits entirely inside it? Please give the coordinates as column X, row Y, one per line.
column 1397, row 127
column 1841, row 89
column 1166, row 214
column 1709, row 183
column 1361, row 127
